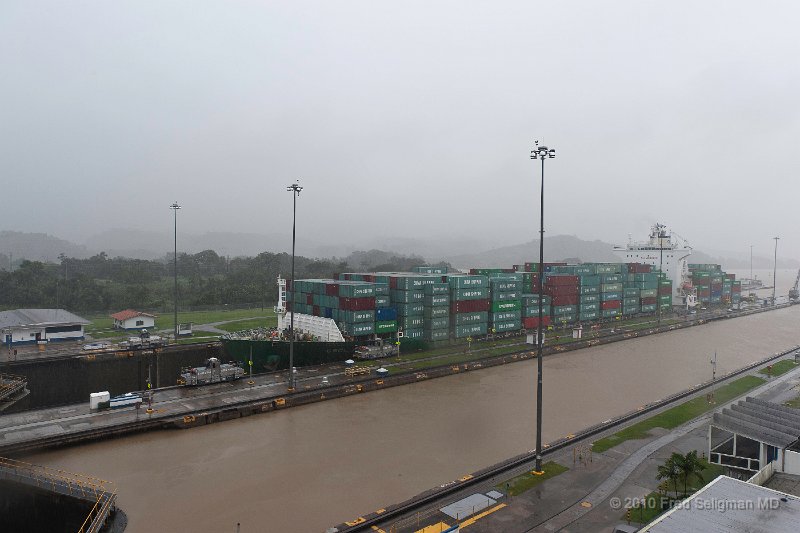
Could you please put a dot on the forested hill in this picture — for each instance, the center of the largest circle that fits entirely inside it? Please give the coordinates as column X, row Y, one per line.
column 100, row 283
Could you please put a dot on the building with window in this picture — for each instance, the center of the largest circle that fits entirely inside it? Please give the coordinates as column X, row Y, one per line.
column 132, row 319
column 22, row 326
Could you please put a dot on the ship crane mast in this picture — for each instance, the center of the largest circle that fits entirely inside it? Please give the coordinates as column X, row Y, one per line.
column 794, row 293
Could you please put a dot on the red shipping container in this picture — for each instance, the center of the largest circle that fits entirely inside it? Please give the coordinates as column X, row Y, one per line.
column 611, row 304
column 356, row 304
column 532, row 322
column 288, row 284
column 730, row 276
column 315, row 310
column 332, row 289
column 560, row 279
column 565, row 299
column 650, row 300
column 561, row 290
column 737, row 288
column 535, row 287
column 309, row 299
column 469, row 306
column 369, row 277
column 663, row 291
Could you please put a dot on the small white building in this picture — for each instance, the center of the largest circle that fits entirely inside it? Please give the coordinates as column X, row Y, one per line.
column 132, row 319
column 22, row 326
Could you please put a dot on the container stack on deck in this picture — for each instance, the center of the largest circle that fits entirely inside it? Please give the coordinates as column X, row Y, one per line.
column 715, row 287
column 436, row 312
column 469, row 305
column 407, row 294
column 433, row 305
column 505, row 291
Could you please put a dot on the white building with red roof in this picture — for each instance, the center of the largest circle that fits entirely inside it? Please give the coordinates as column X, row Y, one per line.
column 132, row 319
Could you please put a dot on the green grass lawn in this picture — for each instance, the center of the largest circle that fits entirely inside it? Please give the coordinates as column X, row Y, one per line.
column 781, row 367
column 102, row 326
column 517, row 485
column 794, row 403
column 679, row 414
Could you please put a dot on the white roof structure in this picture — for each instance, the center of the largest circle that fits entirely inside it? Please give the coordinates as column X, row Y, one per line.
column 20, row 318
column 729, row 505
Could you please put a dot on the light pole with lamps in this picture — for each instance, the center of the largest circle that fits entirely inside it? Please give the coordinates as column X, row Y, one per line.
column 175, row 208
column 540, row 152
column 295, row 190
column 775, row 271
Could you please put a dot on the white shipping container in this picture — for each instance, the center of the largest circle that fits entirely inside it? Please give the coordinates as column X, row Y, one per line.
column 96, row 398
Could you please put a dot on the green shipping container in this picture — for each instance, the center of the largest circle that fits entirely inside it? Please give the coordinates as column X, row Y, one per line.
column 586, row 270
column 505, row 316
column 588, row 315
column 605, row 279
column 505, row 285
column 509, row 305
column 590, row 299
column 590, row 281
column 630, row 302
column 436, row 312
column 437, row 334
column 499, row 327
column 410, row 309
column 592, row 289
column 478, row 293
column 436, row 323
column 407, row 297
column 665, row 299
column 360, row 290
column 606, row 296
column 353, row 317
column 649, row 308
column 534, row 311
column 648, row 293
column 611, row 287
column 471, row 330
column 631, row 292
column 413, row 334
column 529, row 300
column 463, row 319
column 437, row 300
column 382, row 301
column 363, row 328
column 468, row 282
column 411, row 322
column 385, row 326
column 589, row 307
column 608, row 268
column 560, row 320
column 437, row 288
column 559, row 310
column 415, row 283
column 609, row 313
column 505, row 296
column 381, row 288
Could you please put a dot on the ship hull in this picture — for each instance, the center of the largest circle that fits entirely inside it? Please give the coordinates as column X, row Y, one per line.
column 269, row 356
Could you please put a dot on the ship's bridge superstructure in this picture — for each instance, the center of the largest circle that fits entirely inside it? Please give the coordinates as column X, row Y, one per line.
column 662, row 252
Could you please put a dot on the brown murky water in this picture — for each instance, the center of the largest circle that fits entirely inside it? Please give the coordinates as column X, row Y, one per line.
column 308, row 468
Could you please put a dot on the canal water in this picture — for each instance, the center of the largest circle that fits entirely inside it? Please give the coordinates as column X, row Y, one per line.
column 311, row 467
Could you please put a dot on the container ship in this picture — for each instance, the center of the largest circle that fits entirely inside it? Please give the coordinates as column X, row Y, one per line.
column 431, row 306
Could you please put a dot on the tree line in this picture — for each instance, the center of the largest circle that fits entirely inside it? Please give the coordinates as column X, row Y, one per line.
column 101, row 283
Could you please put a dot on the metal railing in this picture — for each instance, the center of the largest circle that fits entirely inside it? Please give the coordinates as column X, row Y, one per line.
column 102, row 493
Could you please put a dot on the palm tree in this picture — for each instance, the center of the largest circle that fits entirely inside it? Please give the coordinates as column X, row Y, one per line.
column 689, row 466
column 670, row 471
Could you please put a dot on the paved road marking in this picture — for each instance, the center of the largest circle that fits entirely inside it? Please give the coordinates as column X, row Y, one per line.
column 477, row 517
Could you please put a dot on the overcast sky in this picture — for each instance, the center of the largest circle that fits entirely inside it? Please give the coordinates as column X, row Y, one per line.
column 403, row 118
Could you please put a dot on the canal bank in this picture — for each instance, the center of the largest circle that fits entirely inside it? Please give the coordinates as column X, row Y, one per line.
column 200, row 407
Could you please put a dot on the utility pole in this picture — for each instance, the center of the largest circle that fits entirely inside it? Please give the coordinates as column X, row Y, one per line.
column 713, row 376
column 751, row 261
column 175, row 208
column 295, row 190
column 540, row 152
column 775, row 271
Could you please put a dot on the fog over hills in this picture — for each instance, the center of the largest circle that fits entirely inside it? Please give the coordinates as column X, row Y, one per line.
column 153, row 245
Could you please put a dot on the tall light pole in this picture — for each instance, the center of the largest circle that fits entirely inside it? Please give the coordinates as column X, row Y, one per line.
column 540, row 152
column 295, row 190
column 775, row 271
column 175, row 208
column 751, row 261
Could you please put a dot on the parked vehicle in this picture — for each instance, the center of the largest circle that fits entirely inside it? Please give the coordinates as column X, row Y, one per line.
column 212, row 372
